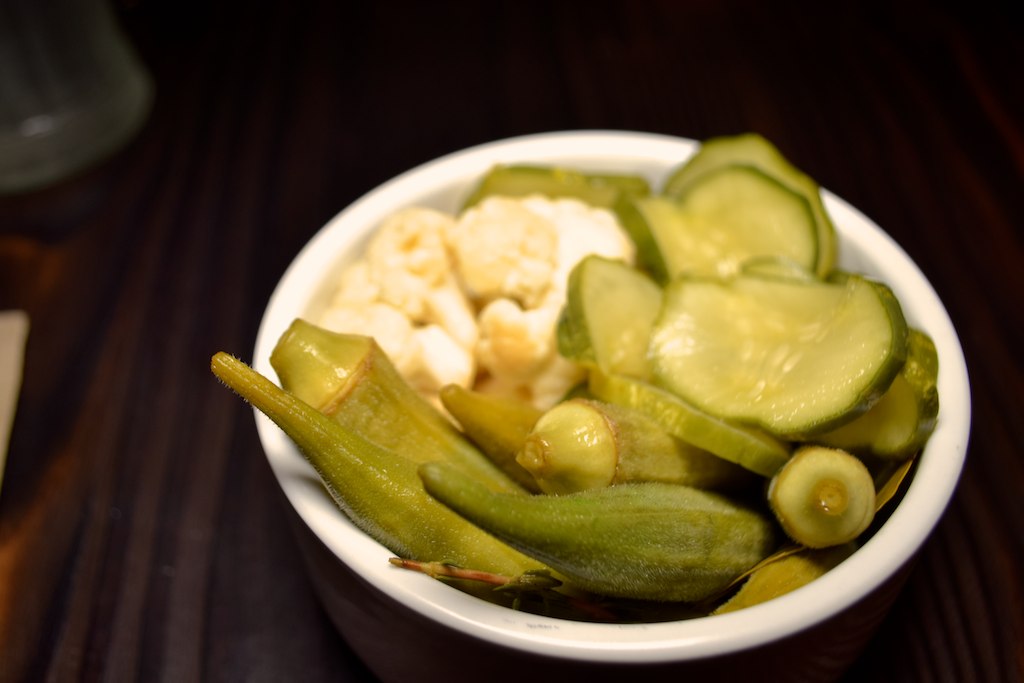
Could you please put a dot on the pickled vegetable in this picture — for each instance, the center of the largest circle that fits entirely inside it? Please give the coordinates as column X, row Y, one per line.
column 584, row 444
column 647, row 541
column 608, row 315
column 794, row 357
column 518, row 180
column 497, row 424
column 350, row 379
column 899, row 424
column 785, row 574
column 751, row 149
column 733, row 341
column 749, row 448
column 719, row 221
column 376, row 488
column 823, row 497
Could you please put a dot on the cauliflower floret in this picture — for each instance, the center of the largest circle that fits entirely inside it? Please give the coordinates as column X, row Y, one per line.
column 449, row 307
column 518, row 344
column 504, row 250
column 427, row 357
column 554, row 381
column 424, row 272
column 409, row 262
column 523, row 362
column 518, row 351
column 441, row 360
column 355, row 287
column 582, row 230
column 385, row 323
column 515, row 343
column 404, row 293
column 407, row 265
column 408, row 258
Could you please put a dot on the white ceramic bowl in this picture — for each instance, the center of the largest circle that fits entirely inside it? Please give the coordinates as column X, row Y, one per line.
column 405, row 625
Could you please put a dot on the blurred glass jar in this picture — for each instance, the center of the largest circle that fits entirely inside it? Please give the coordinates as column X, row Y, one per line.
column 72, row 90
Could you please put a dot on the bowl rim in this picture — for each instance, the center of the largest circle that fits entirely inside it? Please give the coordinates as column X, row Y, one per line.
column 862, row 245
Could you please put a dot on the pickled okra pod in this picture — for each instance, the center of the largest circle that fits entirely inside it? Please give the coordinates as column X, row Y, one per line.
column 646, row 541
column 497, row 424
column 350, row 379
column 378, row 489
column 823, row 497
column 584, row 444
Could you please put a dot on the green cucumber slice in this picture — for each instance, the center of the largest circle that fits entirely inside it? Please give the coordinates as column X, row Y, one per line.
column 723, row 219
column 793, row 357
column 776, row 267
column 903, row 419
column 753, row 150
column 518, row 180
column 649, row 221
column 608, row 315
column 752, row 449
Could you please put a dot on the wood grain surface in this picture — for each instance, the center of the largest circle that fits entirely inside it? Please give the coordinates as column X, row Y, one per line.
column 142, row 535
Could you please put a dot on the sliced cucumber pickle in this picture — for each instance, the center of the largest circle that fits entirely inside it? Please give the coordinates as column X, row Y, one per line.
column 608, row 316
column 748, row 448
column 793, row 357
column 903, row 419
column 650, row 221
column 518, row 180
column 720, row 221
column 751, row 149
column 776, row 267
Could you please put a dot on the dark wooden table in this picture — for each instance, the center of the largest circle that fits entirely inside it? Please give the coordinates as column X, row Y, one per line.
column 142, row 535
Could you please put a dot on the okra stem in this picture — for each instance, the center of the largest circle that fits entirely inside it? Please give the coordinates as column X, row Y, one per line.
column 823, row 497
